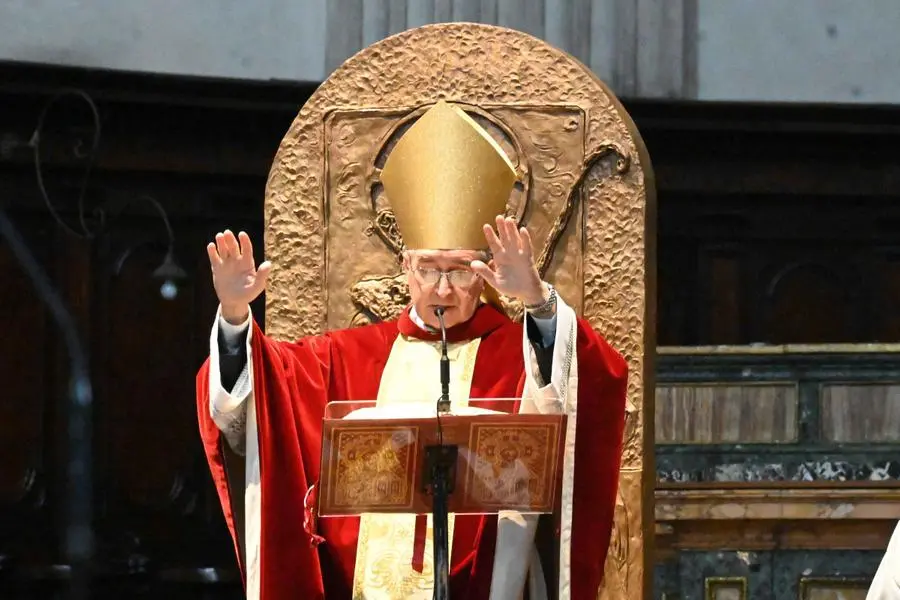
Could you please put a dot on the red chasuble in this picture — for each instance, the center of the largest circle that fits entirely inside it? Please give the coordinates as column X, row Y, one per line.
column 292, row 383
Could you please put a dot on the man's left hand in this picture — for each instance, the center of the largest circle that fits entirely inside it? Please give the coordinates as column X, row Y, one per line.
column 512, row 271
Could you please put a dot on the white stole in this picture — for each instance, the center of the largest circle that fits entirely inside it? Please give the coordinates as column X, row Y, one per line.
column 886, row 584
column 408, row 389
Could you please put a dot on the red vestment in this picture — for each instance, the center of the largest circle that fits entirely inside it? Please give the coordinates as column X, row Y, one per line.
column 293, row 382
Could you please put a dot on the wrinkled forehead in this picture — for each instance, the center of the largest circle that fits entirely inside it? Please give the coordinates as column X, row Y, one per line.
column 445, row 258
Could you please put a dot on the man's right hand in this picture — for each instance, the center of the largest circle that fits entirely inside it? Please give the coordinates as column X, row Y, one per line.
column 235, row 277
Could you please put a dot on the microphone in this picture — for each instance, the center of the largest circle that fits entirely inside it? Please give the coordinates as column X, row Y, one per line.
column 443, row 404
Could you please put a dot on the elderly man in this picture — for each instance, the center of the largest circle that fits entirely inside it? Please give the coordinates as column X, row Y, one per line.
column 266, row 399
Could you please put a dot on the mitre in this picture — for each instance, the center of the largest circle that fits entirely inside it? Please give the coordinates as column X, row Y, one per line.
column 445, row 179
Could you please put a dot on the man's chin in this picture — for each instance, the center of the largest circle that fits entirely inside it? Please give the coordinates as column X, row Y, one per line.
column 452, row 316
column 431, row 318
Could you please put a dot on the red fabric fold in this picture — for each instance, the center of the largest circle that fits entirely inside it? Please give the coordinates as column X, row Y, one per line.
column 311, row 517
column 418, row 556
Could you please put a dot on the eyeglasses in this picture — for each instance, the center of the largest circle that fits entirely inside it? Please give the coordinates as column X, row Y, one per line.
column 457, row 277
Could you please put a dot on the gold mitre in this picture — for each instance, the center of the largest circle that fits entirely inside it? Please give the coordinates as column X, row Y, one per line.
column 445, row 179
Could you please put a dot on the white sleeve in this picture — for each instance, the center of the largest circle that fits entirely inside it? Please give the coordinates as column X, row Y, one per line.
column 548, row 396
column 231, row 333
column 229, row 409
column 514, row 551
column 886, row 583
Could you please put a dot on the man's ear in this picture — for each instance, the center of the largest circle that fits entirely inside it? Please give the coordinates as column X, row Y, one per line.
column 404, row 261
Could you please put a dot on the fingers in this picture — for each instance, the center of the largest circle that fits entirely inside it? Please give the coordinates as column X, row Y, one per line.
column 214, row 259
column 484, row 271
column 262, row 276
column 511, row 237
column 527, row 247
column 506, row 239
column 503, row 230
column 232, row 244
column 492, row 240
column 221, row 246
column 228, row 246
column 245, row 245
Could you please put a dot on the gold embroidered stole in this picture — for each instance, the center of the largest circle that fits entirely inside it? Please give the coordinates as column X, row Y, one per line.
column 385, row 546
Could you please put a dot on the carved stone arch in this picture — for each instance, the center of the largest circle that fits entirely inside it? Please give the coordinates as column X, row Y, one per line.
column 590, row 205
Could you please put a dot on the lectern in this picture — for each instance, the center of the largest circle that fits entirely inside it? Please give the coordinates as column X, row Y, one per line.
column 482, row 458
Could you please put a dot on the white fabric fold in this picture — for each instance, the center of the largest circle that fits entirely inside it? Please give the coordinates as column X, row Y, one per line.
column 886, row 583
column 515, row 559
column 228, row 407
column 234, row 413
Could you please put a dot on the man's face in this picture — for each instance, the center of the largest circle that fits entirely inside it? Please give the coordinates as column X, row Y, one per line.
column 443, row 278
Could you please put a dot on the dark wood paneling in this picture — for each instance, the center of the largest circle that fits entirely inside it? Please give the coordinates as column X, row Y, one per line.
column 723, row 291
column 21, row 412
column 147, row 423
column 26, row 416
column 884, row 271
column 780, row 270
column 202, row 151
column 809, row 301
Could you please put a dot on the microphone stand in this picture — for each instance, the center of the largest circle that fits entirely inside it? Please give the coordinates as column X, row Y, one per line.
column 444, row 403
column 79, row 538
column 441, row 462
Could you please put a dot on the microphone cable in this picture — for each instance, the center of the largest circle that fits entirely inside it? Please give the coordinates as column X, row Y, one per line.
column 443, row 403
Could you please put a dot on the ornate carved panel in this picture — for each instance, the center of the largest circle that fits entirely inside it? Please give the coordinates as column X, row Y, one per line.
column 585, row 190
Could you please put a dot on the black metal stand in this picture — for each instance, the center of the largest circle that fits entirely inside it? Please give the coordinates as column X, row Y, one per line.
column 440, row 465
column 440, row 471
column 443, row 403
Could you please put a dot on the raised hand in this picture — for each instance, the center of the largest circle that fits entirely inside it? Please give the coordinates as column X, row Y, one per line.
column 235, row 277
column 512, row 271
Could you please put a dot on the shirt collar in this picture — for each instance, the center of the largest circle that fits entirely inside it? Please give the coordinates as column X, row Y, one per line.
column 415, row 318
column 486, row 319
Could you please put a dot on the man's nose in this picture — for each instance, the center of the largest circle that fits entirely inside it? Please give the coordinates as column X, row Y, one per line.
column 443, row 286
